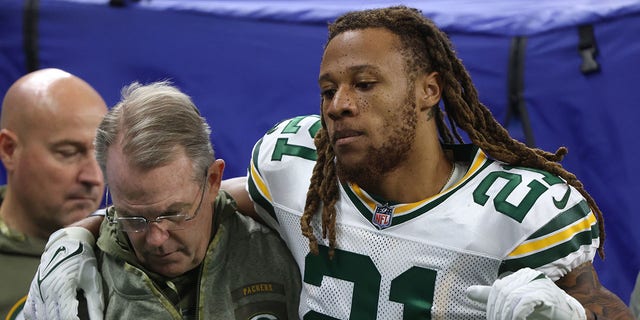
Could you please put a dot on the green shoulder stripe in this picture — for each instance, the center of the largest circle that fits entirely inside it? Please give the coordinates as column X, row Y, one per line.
column 566, row 218
column 256, row 196
column 255, row 154
column 258, row 199
column 551, row 254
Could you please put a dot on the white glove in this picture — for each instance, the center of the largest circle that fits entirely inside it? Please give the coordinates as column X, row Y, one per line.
column 526, row 294
column 68, row 264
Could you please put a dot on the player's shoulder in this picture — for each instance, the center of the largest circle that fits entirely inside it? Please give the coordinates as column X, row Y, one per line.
column 282, row 163
column 528, row 197
column 526, row 189
column 305, row 126
column 291, row 125
column 541, row 209
column 557, row 228
column 290, row 143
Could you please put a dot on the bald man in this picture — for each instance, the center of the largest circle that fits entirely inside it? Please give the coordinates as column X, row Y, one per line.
column 48, row 123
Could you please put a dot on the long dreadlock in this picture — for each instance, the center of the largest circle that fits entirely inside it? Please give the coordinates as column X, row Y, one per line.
column 427, row 49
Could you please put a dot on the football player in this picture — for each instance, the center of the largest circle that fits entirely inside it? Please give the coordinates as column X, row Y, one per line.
column 403, row 220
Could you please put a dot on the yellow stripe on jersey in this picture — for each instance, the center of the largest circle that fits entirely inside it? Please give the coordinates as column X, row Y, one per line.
column 405, row 208
column 478, row 161
column 262, row 187
column 555, row 238
column 370, row 203
column 14, row 312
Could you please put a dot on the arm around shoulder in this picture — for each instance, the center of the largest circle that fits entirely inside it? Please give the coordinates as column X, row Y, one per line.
column 91, row 223
column 237, row 188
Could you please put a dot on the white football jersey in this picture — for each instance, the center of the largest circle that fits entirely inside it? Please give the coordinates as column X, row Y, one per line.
column 415, row 260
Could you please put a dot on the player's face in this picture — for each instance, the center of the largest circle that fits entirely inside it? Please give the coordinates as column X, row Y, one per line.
column 368, row 103
column 163, row 191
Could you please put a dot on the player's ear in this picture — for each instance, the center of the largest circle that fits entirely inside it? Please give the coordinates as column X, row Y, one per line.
column 429, row 90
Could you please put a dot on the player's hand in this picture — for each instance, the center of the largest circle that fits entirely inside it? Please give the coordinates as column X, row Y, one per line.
column 68, row 264
column 526, row 294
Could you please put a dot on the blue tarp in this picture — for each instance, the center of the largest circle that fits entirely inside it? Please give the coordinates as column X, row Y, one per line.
column 249, row 64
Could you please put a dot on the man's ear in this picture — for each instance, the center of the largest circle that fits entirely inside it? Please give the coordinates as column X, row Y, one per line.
column 430, row 90
column 8, row 146
column 214, row 175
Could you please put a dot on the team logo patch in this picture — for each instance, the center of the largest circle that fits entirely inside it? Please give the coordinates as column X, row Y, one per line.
column 262, row 310
column 382, row 216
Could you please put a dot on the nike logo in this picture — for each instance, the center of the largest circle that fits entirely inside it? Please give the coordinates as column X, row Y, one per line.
column 560, row 204
column 50, row 268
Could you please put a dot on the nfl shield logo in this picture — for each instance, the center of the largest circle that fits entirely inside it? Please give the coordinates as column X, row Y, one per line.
column 382, row 216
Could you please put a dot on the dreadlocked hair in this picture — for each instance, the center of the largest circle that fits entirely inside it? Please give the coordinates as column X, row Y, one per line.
column 323, row 190
column 427, row 49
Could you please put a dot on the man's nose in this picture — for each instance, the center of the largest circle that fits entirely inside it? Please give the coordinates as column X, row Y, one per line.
column 90, row 172
column 342, row 104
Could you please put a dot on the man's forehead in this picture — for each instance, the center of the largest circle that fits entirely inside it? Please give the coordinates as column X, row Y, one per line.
column 141, row 183
column 360, row 47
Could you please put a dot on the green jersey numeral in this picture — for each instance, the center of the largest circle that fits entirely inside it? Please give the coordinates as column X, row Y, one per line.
column 413, row 288
column 283, row 147
column 516, row 212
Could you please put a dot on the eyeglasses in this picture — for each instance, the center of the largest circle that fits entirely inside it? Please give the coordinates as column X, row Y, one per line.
column 140, row 224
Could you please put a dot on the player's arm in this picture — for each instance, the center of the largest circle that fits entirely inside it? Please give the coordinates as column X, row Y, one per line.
column 237, row 188
column 583, row 284
column 91, row 223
